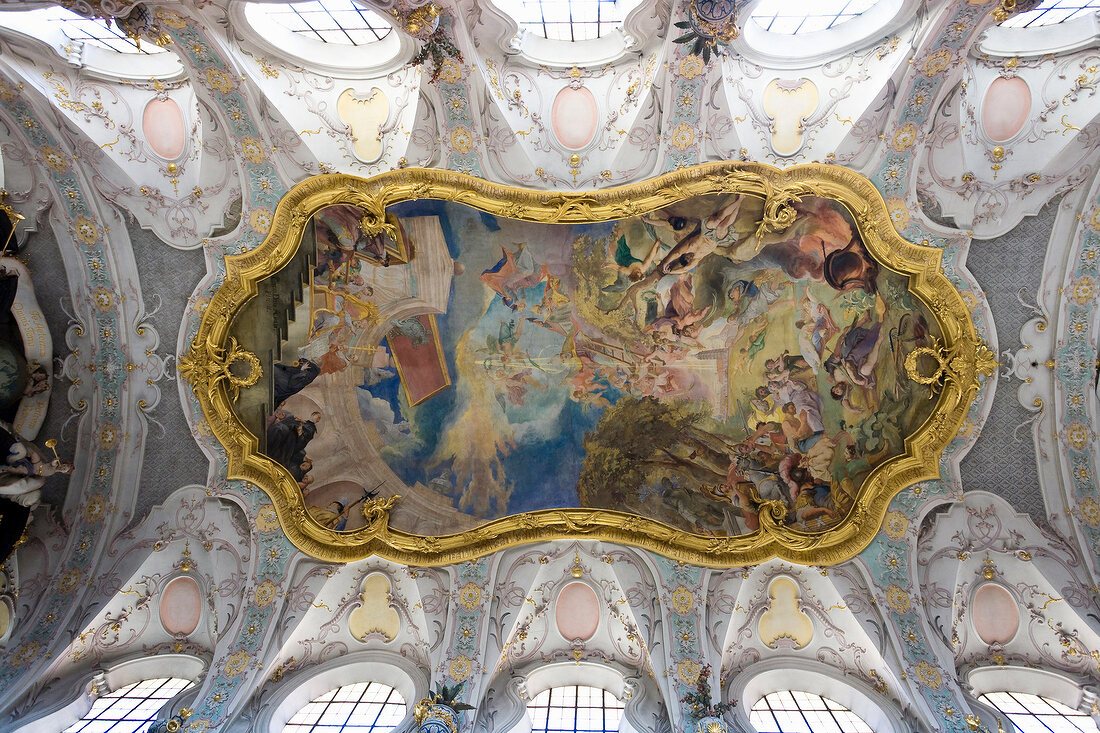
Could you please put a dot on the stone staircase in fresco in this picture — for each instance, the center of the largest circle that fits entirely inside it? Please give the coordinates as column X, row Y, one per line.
column 265, row 326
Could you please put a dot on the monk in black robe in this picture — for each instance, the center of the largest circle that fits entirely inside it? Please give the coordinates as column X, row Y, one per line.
column 290, row 380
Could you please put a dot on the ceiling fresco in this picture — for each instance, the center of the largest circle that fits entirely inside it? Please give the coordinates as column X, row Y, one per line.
column 393, row 383
column 466, row 370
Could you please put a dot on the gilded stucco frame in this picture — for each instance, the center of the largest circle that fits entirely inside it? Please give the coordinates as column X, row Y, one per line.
column 956, row 362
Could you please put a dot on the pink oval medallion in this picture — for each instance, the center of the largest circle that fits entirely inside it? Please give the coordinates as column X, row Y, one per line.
column 577, row 612
column 574, row 117
column 164, row 128
column 181, row 606
column 1005, row 108
column 996, row 616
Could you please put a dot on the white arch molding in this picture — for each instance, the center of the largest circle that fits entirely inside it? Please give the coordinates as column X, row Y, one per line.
column 96, row 61
column 372, row 665
column 565, row 674
column 1060, row 38
column 534, row 49
column 372, row 60
column 116, row 677
column 545, row 677
column 805, row 50
column 789, row 673
column 1041, row 682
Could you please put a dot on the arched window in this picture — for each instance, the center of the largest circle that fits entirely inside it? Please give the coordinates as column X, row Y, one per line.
column 575, row 709
column 75, row 27
column 363, row 707
column 793, row 711
column 1035, row 714
column 567, row 20
column 320, row 34
column 94, row 31
column 130, row 709
column 790, row 17
column 331, row 21
column 1050, row 12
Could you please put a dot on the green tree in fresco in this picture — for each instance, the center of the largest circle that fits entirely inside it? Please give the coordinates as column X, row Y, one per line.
column 639, row 440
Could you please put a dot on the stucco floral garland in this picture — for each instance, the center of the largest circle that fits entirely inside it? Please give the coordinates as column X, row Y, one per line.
column 461, row 136
column 106, row 366
column 920, row 93
column 471, row 600
column 890, row 561
column 887, row 557
column 1075, row 374
column 684, row 127
column 261, row 190
column 218, row 82
column 683, row 598
column 239, row 660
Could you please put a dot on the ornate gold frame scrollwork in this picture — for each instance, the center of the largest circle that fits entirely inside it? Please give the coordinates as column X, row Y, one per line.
column 959, row 358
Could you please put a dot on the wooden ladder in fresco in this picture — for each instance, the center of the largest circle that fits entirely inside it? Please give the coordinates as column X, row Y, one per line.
column 611, row 351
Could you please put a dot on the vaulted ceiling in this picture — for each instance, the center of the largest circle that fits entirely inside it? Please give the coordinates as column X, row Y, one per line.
column 137, row 170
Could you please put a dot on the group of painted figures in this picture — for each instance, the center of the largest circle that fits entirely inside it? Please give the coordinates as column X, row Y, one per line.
column 785, row 348
column 345, row 259
column 716, row 365
column 352, row 274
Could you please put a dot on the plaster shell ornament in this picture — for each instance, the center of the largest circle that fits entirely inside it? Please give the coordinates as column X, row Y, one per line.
column 710, row 724
column 375, row 615
column 788, row 102
column 784, row 623
column 711, row 26
column 724, row 364
column 364, row 114
column 1005, row 108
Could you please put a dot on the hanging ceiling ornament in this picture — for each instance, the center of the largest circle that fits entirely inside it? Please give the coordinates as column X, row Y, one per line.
column 133, row 19
column 710, row 26
column 1010, row 7
column 423, row 22
column 136, row 23
column 104, row 9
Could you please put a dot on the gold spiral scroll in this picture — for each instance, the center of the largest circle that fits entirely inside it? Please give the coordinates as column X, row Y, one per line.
column 211, row 364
